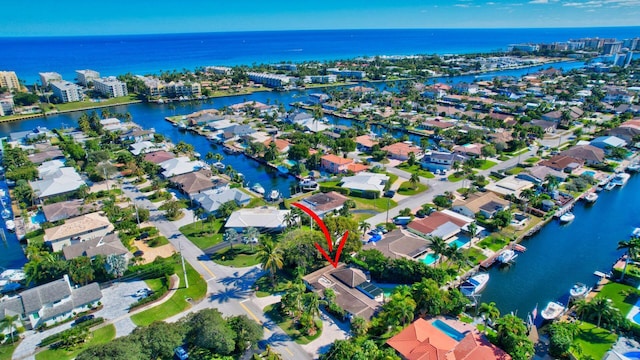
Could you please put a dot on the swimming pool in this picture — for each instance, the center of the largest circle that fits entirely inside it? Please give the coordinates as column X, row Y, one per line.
column 589, row 173
column 38, row 218
column 430, row 259
column 460, row 242
column 632, row 354
column 290, row 162
column 634, row 313
column 448, row 330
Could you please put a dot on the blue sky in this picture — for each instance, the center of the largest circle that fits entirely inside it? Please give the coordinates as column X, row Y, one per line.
column 48, row 17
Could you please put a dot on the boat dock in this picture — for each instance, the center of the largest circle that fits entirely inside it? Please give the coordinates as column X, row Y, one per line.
column 490, row 261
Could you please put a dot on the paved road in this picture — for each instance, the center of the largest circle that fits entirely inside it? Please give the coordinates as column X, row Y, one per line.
column 229, row 289
column 436, row 187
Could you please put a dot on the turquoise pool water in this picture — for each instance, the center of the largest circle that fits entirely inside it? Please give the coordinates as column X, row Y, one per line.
column 461, row 241
column 430, row 259
column 38, row 218
column 589, row 173
column 448, row 330
column 289, row 162
column 636, row 317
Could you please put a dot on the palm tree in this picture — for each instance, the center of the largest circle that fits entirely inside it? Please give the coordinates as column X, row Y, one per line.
column 218, row 157
column 364, row 227
column 526, row 195
column 210, row 156
column 197, row 214
column 632, row 247
column 473, row 230
column 456, row 257
column 414, row 180
column 252, row 235
column 231, row 236
column 599, row 307
column 489, row 311
column 290, row 219
column 552, row 182
column 8, row 323
column 270, row 256
column 439, row 247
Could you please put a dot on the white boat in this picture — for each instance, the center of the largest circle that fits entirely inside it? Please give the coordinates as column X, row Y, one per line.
column 507, row 256
column 567, row 217
column 13, row 275
column 274, row 195
column 610, row 186
column 258, row 188
column 182, row 126
column 633, row 167
column 552, row 311
column 579, row 290
column 635, row 232
column 10, row 225
column 2, row 193
column 620, row 179
column 6, row 214
column 591, row 197
column 197, row 154
column 309, row 185
column 475, row 284
column 218, row 165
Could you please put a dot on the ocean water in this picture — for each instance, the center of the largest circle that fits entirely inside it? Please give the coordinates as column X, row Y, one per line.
column 143, row 54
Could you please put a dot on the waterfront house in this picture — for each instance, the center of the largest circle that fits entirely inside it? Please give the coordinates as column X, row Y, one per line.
column 22, row 136
column 193, row 183
column 400, row 244
column 109, row 244
column 607, row 142
column 55, row 179
column 111, row 124
column 434, row 93
column 509, row 186
column 469, row 149
column 563, row 163
column 365, row 182
column 46, row 154
column 465, row 87
column 211, row 200
column 178, row 166
column 444, row 224
column 262, row 218
column 537, row 174
column 50, row 303
column 437, row 123
column 444, row 339
column 68, row 209
column 439, row 160
column 77, row 229
column 487, row 204
column 334, row 164
column 323, row 203
column 354, row 293
column 590, row 154
column 158, row 157
column 136, row 135
column 142, row 147
column 281, row 145
column 365, row 143
column 401, row 150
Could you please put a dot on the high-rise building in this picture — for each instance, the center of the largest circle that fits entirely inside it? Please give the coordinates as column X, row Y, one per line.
column 611, row 47
column 47, row 77
column 9, row 80
column 66, row 91
column 110, row 87
column 87, row 76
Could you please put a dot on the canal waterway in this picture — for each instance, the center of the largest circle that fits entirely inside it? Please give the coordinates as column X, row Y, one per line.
column 561, row 255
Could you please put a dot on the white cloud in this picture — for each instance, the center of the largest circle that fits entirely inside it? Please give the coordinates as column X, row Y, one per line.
column 462, row 5
column 539, row 2
column 602, row 3
column 490, row 3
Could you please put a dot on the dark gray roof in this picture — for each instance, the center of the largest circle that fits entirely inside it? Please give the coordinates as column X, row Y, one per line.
column 107, row 245
column 86, row 294
column 10, row 306
column 34, row 299
column 351, row 277
column 57, row 310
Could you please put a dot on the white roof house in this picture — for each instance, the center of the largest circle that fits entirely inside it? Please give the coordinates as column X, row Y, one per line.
column 56, row 181
column 365, row 181
column 509, row 186
column 211, row 200
column 141, row 147
column 49, row 167
column 180, row 165
column 604, row 142
column 268, row 218
column 111, row 124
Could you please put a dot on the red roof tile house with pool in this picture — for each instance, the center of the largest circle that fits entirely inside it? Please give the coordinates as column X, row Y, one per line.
column 444, row 339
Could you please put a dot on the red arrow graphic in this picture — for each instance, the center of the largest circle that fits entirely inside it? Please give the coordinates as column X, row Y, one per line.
column 327, row 236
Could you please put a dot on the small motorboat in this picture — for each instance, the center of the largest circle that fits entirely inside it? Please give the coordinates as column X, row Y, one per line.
column 591, row 197
column 620, row 179
column 274, row 195
column 610, row 186
column 633, row 167
column 475, row 284
column 6, row 214
column 552, row 311
column 567, row 217
column 507, row 256
column 13, row 275
column 258, row 188
column 309, row 185
column 218, row 165
column 579, row 290
column 10, row 225
column 636, row 232
column 197, row 155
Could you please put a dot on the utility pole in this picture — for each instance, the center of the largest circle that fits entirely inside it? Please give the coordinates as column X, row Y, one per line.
column 184, row 270
column 137, row 217
column 388, row 201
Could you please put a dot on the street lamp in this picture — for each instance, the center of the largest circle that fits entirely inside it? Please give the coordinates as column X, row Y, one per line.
column 184, row 270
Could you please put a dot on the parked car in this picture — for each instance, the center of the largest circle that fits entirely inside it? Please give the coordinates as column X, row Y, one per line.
column 138, row 253
column 143, row 292
column 389, row 193
column 143, row 236
column 180, row 353
column 82, row 319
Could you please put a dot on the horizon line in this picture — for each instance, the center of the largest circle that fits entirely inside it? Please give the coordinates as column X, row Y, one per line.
column 311, row 30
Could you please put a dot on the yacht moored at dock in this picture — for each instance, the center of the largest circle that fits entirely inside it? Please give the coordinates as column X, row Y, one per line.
column 579, row 291
column 475, row 284
column 507, row 256
column 566, row 218
column 620, row 179
column 309, row 185
column 552, row 311
column 610, row 186
column 258, row 188
column 591, row 197
column 274, row 195
column 10, row 225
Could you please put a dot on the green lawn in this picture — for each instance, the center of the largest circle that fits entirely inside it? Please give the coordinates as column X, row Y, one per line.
column 178, row 301
column 492, row 242
column 155, row 284
column 265, row 287
column 6, row 350
column 157, row 241
column 239, row 256
column 406, row 188
column 617, row 293
column 532, row 160
column 287, row 325
column 454, row 178
column 203, row 235
column 78, row 105
column 594, row 341
column 379, row 204
column 514, row 171
column 475, row 256
column 101, row 336
column 486, row 164
column 416, row 169
column 256, row 202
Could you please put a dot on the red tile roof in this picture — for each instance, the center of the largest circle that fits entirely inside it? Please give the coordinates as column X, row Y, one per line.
column 336, row 159
column 434, row 221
